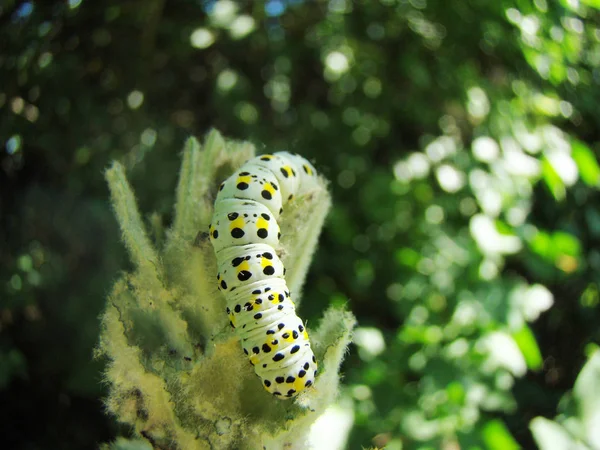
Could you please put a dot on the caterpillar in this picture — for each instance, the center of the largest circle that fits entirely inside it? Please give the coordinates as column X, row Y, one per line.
column 244, row 233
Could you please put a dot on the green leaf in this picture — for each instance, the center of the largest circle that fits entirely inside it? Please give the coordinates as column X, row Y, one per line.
column 412, row 334
column 586, row 162
column 559, row 248
column 497, row 437
column 567, row 250
column 128, row 215
column 504, row 228
column 592, row 3
column 541, row 243
column 408, row 257
column 590, row 297
column 566, row 244
column 553, row 180
column 529, row 347
column 550, row 436
column 456, row 392
column 587, row 395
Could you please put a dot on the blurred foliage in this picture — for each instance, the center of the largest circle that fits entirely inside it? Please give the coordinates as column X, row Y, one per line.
column 577, row 424
column 461, row 141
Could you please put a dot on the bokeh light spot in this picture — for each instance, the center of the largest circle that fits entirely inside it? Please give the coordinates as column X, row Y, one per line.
column 450, row 179
column 274, row 8
column 478, row 104
column 375, row 31
column 148, row 137
column 82, row 155
column 135, row 99
column 370, row 342
column 17, row 104
column 242, row 26
column 223, row 12
column 247, row 112
column 202, row 38
column 44, row 60
column 337, row 62
column 23, row 11
column 13, row 145
column 434, row 214
column 372, row 87
column 346, row 179
column 485, row 149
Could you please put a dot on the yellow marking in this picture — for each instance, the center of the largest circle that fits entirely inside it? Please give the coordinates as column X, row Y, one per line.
column 290, row 338
column 289, row 170
column 253, row 359
column 245, row 265
column 262, row 223
column 243, row 179
column 232, row 318
column 267, row 156
column 305, row 335
column 237, row 223
column 269, row 188
column 269, row 342
column 275, row 296
column 298, row 384
column 264, row 262
column 308, row 169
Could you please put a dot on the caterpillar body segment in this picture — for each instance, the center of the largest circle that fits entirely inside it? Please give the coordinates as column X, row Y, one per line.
column 238, row 222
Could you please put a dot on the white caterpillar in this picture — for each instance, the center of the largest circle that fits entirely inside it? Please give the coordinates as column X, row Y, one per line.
column 244, row 233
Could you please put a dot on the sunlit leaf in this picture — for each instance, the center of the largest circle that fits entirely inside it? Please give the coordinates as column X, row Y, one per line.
column 586, row 162
column 456, row 392
column 503, row 352
column 553, row 180
column 529, row 347
column 551, row 436
column 592, row 3
column 496, row 436
column 559, row 248
column 590, row 297
column 566, row 244
column 541, row 243
column 587, row 395
column 413, row 334
column 407, row 257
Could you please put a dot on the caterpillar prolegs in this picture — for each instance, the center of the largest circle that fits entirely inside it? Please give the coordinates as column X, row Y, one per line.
column 244, row 233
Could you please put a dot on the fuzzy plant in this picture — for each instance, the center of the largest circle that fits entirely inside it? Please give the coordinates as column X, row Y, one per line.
column 176, row 371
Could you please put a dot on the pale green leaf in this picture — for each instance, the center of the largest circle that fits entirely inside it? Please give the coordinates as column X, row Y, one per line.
column 587, row 395
column 551, row 436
